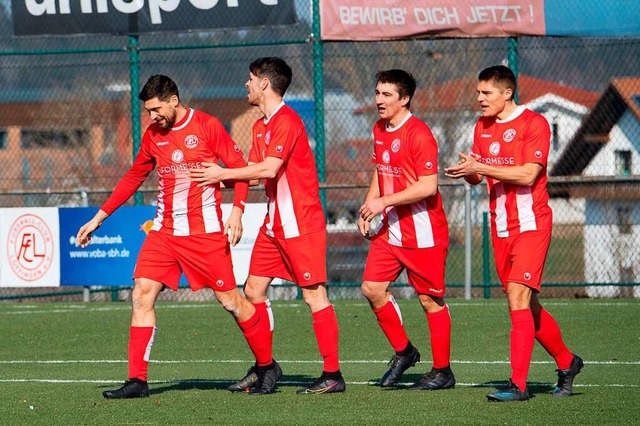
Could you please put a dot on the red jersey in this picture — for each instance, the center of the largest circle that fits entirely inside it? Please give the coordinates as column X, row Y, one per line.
column 524, row 137
column 294, row 200
column 182, row 207
column 402, row 155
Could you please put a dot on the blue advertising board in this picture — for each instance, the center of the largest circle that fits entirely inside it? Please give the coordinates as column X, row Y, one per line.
column 111, row 256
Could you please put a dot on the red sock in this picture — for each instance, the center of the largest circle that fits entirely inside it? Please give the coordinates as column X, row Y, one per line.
column 440, row 330
column 522, row 340
column 390, row 320
column 256, row 332
column 265, row 311
column 140, row 343
column 325, row 325
column 549, row 335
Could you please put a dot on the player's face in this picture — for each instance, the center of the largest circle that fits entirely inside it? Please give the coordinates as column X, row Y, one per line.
column 389, row 103
column 254, row 90
column 492, row 99
column 163, row 112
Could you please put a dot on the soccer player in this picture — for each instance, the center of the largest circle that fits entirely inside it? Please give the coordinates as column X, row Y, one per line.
column 187, row 233
column 413, row 233
column 292, row 241
column 510, row 149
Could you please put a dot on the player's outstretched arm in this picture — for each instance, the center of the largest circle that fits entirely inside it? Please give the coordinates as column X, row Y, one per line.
column 84, row 233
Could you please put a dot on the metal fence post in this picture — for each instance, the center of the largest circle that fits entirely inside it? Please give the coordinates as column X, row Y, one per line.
column 486, row 282
column 134, row 83
column 467, row 241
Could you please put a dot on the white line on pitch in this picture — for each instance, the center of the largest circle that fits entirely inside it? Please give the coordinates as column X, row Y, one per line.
column 367, row 383
column 281, row 361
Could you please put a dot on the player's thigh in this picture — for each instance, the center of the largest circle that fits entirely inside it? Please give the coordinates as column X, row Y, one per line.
column 382, row 264
column 425, row 269
column 206, row 261
column 156, row 261
column 266, row 259
column 305, row 258
column 529, row 253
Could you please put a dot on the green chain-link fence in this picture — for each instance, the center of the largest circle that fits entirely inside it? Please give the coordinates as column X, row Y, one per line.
column 67, row 118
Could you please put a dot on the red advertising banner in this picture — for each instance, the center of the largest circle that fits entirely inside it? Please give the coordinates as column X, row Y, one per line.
column 392, row 19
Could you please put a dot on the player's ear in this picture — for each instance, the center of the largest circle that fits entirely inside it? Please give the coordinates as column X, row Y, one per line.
column 264, row 83
column 508, row 94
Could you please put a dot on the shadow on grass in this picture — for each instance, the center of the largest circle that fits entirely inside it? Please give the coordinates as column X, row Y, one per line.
column 534, row 388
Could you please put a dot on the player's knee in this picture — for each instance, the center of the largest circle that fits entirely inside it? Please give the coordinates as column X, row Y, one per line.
column 371, row 292
column 230, row 301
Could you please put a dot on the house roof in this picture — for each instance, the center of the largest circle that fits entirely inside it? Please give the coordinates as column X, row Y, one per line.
column 621, row 95
column 459, row 95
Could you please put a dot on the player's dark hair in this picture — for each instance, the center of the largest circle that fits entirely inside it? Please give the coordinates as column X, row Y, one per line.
column 275, row 70
column 404, row 82
column 499, row 75
column 159, row 86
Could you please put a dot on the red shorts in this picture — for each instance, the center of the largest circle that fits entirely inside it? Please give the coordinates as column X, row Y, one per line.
column 302, row 260
column 425, row 266
column 520, row 259
column 205, row 260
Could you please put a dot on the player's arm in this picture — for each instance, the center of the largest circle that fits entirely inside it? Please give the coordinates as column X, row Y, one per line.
column 126, row 187
column 213, row 173
column 473, row 171
column 374, row 193
column 424, row 187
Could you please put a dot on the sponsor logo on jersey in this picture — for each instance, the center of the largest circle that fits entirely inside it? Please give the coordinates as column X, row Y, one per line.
column 509, row 135
column 386, row 157
column 395, row 145
column 485, row 135
column 379, row 143
column 538, row 154
column 307, row 276
column 527, row 276
column 279, row 148
column 236, row 148
column 220, row 283
column 163, row 143
column 259, row 135
column 30, row 247
column 267, row 138
column 494, row 148
column 428, row 165
column 177, row 156
column 191, row 141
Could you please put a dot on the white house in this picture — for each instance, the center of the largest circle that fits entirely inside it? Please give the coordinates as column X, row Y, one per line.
column 606, row 148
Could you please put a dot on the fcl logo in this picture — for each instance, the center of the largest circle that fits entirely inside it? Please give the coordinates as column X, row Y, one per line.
column 30, row 247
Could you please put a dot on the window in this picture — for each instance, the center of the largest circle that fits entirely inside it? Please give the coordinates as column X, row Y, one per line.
column 623, row 162
column 624, row 220
column 72, row 138
column 3, row 139
column 554, row 136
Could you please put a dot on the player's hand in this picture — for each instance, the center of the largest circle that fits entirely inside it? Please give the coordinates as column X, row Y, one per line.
column 233, row 226
column 371, row 208
column 209, row 175
column 84, row 234
column 364, row 226
column 467, row 165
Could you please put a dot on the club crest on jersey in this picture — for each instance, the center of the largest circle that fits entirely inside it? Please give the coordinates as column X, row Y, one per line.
column 191, row 141
column 538, row 154
column 267, row 138
column 428, row 165
column 386, row 157
column 395, row 145
column 494, row 148
column 177, row 156
column 509, row 135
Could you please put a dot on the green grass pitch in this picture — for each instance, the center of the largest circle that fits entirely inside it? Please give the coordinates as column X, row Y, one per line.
column 57, row 358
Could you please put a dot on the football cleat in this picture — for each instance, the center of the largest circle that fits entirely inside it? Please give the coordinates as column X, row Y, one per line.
column 133, row 388
column 247, row 382
column 507, row 393
column 399, row 363
column 437, row 378
column 326, row 383
column 564, row 387
column 268, row 377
